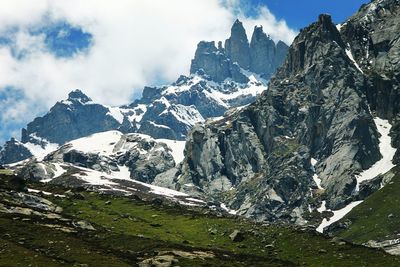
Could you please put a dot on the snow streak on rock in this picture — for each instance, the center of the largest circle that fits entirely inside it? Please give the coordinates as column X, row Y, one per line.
column 387, row 151
column 382, row 166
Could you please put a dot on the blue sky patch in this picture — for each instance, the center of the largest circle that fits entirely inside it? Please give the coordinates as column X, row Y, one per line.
column 61, row 39
column 299, row 14
column 64, row 40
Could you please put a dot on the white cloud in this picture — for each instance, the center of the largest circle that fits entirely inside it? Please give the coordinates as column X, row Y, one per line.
column 134, row 41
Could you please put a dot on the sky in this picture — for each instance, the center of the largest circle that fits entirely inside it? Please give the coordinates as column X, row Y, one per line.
column 112, row 49
column 299, row 14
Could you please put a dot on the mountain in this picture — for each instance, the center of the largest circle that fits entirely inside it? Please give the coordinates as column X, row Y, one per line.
column 373, row 35
column 167, row 112
column 314, row 148
column 307, row 150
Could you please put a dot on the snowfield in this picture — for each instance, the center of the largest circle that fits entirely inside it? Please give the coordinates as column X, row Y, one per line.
column 109, row 144
column 105, row 144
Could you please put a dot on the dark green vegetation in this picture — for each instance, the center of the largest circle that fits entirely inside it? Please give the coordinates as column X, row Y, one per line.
column 128, row 231
column 378, row 217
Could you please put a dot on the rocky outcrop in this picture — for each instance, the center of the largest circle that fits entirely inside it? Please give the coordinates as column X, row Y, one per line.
column 237, row 46
column 143, row 156
column 261, row 56
column 208, row 57
column 265, row 56
column 280, row 53
column 259, row 159
column 13, row 151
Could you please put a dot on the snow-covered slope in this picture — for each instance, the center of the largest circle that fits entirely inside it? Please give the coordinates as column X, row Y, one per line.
column 337, row 215
column 137, row 156
column 111, row 162
column 171, row 111
column 114, row 142
column 166, row 112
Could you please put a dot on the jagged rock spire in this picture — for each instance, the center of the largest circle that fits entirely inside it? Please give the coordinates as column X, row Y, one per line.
column 237, row 46
column 261, row 56
column 78, row 95
column 262, row 52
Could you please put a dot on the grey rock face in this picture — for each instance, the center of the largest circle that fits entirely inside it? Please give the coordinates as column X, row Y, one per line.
column 258, row 159
column 280, row 53
column 237, row 46
column 211, row 59
column 265, row 56
column 146, row 159
column 13, row 151
column 261, row 56
column 372, row 34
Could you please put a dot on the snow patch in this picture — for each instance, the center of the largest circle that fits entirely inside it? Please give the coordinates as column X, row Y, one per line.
column 116, row 113
column 102, row 143
column 123, row 173
column 195, row 200
column 31, row 190
column 323, row 207
column 139, row 112
column 316, row 178
column 337, row 215
column 188, row 115
column 159, row 125
column 40, row 152
column 223, row 206
column 174, row 89
column 177, row 148
column 164, row 191
column 387, row 151
column 94, row 177
column 59, row 170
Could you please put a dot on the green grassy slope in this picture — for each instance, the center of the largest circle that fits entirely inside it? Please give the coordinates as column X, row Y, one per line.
column 378, row 217
column 130, row 231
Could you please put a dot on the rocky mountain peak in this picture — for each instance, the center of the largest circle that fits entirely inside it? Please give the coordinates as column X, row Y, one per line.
column 313, row 42
column 262, row 53
column 315, row 110
column 261, row 56
column 237, row 46
column 78, row 95
column 210, row 60
column 258, row 32
column 325, row 19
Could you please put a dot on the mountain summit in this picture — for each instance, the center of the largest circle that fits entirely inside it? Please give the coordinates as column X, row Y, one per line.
column 262, row 56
